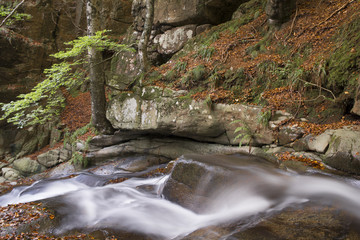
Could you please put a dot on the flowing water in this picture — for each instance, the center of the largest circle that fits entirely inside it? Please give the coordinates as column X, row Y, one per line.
column 137, row 204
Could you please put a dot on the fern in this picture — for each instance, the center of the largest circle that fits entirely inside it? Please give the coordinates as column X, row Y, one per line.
column 244, row 133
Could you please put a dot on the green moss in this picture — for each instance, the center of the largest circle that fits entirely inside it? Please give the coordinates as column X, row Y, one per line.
column 180, row 66
column 154, row 76
column 171, row 75
column 194, row 78
column 344, row 63
column 205, row 53
column 234, row 79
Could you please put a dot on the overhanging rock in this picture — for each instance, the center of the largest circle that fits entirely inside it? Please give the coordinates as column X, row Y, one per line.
column 167, row 112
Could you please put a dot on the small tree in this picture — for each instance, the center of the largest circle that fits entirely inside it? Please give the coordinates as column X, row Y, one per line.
column 45, row 101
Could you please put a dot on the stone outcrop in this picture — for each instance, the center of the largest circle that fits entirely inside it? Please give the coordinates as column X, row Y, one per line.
column 20, row 142
column 173, row 40
column 160, row 111
column 183, row 12
column 170, row 148
column 280, row 11
column 344, row 151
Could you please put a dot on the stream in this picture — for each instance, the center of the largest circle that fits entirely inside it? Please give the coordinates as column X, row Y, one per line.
column 255, row 192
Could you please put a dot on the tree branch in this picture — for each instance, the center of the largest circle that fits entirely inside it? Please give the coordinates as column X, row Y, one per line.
column 312, row 84
column 292, row 24
column 12, row 12
column 338, row 10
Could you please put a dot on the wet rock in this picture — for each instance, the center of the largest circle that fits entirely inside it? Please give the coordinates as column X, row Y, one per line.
column 137, row 164
column 344, row 151
column 118, row 137
column 280, row 149
column 308, row 223
column 166, row 147
column 27, row 166
column 196, row 180
column 61, row 170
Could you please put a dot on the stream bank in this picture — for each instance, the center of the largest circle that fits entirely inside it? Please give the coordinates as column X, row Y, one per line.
column 201, row 196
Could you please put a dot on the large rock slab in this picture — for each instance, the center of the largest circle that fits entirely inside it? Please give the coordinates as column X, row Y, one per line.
column 344, row 151
column 182, row 12
column 161, row 111
column 310, row 222
column 170, row 148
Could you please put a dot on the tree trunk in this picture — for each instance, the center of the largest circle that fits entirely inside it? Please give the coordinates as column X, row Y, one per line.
column 144, row 39
column 96, row 74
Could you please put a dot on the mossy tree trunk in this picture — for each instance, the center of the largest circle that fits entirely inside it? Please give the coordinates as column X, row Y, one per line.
column 96, row 73
column 145, row 36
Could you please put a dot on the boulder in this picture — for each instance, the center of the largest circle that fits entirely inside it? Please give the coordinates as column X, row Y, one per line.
column 321, row 142
column 196, row 179
column 124, row 69
column 159, row 110
column 62, row 169
column 27, row 166
column 314, row 143
column 173, row 40
column 356, row 107
column 10, row 174
column 2, row 179
column 344, row 151
column 289, row 134
column 280, row 11
column 54, row 157
column 183, row 12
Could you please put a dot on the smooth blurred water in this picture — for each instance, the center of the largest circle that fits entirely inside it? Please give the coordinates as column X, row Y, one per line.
column 84, row 202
